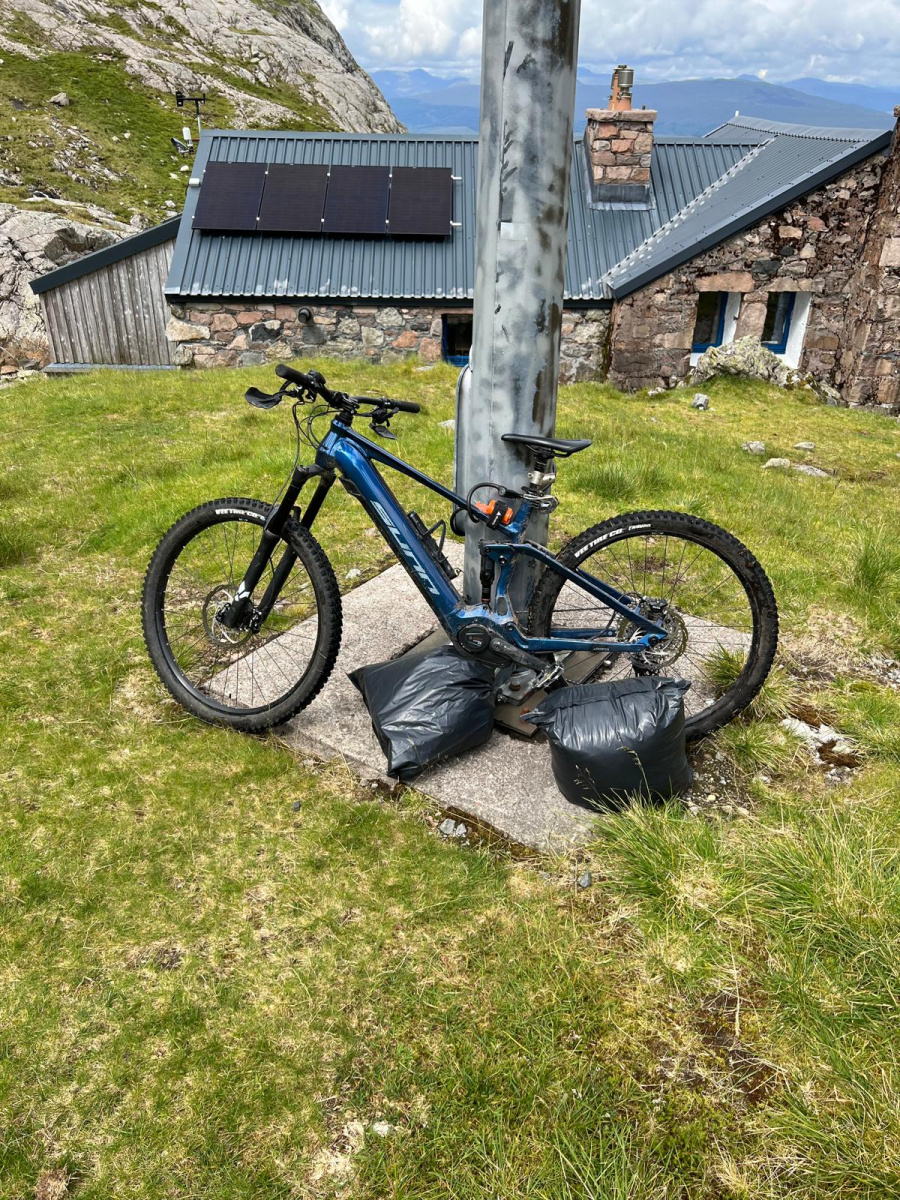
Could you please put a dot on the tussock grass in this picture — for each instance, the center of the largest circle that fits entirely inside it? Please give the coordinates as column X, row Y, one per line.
column 219, row 966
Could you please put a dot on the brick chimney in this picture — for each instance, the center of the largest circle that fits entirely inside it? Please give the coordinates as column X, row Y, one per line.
column 619, row 143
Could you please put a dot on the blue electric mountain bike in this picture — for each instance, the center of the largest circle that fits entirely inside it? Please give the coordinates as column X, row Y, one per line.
column 242, row 612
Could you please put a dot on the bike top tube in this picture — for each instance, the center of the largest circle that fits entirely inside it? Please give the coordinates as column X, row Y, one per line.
column 370, row 450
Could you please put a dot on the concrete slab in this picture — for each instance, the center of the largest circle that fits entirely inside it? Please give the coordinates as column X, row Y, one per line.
column 505, row 787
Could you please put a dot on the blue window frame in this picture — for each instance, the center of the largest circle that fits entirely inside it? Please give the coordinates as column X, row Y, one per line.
column 710, row 324
column 456, row 338
column 777, row 328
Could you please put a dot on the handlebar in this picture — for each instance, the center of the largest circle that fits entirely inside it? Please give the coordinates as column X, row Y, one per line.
column 313, row 383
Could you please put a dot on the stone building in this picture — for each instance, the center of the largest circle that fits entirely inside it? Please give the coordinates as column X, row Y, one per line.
column 783, row 232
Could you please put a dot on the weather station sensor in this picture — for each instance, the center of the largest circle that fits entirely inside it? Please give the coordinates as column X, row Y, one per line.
column 181, row 99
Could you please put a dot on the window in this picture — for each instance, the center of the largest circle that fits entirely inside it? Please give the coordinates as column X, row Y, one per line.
column 456, row 341
column 710, row 324
column 776, row 331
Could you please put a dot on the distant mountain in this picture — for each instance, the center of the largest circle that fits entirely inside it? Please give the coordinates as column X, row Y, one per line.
column 395, row 84
column 880, row 98
column 689, row 108
column 696, row 106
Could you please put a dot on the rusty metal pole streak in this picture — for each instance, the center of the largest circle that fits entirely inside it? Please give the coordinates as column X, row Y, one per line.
column 525, row 151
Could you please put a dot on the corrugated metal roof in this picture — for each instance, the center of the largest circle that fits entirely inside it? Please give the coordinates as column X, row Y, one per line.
column 790, row 161
column 254, row 265
column 686, row 178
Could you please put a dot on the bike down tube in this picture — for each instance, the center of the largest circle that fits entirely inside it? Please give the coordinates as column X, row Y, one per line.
column 385, row 510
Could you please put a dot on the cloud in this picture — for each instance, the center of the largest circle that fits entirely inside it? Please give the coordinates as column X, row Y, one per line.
column 337, row 12
column 665, row 39
column 418, row 30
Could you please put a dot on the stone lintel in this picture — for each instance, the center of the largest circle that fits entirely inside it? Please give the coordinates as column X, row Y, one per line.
column 726, row 281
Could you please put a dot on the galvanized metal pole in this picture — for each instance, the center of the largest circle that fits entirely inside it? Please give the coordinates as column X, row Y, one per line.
column 525, row 152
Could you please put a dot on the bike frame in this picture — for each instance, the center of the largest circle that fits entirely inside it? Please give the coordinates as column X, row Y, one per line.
column 353, row 457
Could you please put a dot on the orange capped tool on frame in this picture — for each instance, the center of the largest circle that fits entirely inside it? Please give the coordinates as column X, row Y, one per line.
column 497, row 513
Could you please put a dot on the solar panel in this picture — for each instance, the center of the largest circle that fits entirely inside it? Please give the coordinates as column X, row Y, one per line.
column 294, row 199
column 421, row 201
column 229, row 196
column 357, row 200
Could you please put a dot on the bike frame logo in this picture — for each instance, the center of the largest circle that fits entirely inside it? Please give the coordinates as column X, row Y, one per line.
column 407, row 550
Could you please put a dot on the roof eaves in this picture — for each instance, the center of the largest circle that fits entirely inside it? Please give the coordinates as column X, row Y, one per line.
column 744, row 218
column 146, row 239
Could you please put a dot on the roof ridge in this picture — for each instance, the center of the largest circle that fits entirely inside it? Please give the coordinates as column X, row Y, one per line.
column 681, row 216
column 816, row 133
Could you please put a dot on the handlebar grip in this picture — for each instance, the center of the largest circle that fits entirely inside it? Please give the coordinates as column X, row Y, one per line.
column 406, row 406
column 283, row 371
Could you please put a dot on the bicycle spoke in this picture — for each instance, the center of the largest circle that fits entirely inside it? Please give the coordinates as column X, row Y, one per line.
column 245, row 669
column 688, row 588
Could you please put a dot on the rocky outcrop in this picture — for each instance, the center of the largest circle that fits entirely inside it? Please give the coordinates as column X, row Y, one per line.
column 243, row 48
column 749, row 359
column 32, row 243
column 746, row 357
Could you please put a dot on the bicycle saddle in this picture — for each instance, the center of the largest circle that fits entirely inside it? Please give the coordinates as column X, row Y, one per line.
column 543, row 447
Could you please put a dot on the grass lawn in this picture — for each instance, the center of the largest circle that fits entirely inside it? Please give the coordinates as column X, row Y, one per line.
column 224, row 973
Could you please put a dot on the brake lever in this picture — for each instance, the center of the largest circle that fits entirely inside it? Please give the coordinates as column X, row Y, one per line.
column 380, row 420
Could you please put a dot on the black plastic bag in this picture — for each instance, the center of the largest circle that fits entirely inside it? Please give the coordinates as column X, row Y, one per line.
column 609, row 741
column 427, row 707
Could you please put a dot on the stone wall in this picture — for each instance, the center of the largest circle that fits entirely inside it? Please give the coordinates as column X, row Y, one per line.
column 869, row 358
column 217, row 334
column 812, row 246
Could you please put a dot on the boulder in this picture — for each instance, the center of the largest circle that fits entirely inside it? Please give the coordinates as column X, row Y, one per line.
column 61, row 100
column 777, row 464
column 700, row 401
column 754, row 447
column 749, row 359
column 746, row 357
column 809, row 469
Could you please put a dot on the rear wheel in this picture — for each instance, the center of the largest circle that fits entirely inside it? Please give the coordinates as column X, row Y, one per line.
column 253, row 677
column 697, row 581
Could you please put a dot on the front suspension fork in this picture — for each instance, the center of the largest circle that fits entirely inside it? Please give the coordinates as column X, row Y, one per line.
column 234, row 614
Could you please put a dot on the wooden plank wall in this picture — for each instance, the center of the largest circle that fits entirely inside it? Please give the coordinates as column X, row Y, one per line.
column 116, row 314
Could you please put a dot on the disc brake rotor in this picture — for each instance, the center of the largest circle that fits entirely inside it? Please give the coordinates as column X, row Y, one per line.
column 214, row 604
column 665, row 615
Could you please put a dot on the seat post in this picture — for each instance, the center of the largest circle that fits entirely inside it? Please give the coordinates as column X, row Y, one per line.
column 542, row 474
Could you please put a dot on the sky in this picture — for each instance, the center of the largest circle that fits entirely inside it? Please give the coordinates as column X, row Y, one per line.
column 856, row 42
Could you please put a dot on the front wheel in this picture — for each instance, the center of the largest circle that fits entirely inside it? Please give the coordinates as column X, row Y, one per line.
column 701, row 584
column 261, row 674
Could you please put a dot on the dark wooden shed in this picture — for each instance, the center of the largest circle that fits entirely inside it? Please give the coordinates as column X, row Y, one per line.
column 108, row 308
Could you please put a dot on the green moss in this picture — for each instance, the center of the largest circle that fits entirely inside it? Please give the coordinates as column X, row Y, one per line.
column 23, row 29
column 306, row 114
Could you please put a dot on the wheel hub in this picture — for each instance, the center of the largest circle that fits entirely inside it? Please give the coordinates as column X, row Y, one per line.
column 666, row 653
column 214, row 606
